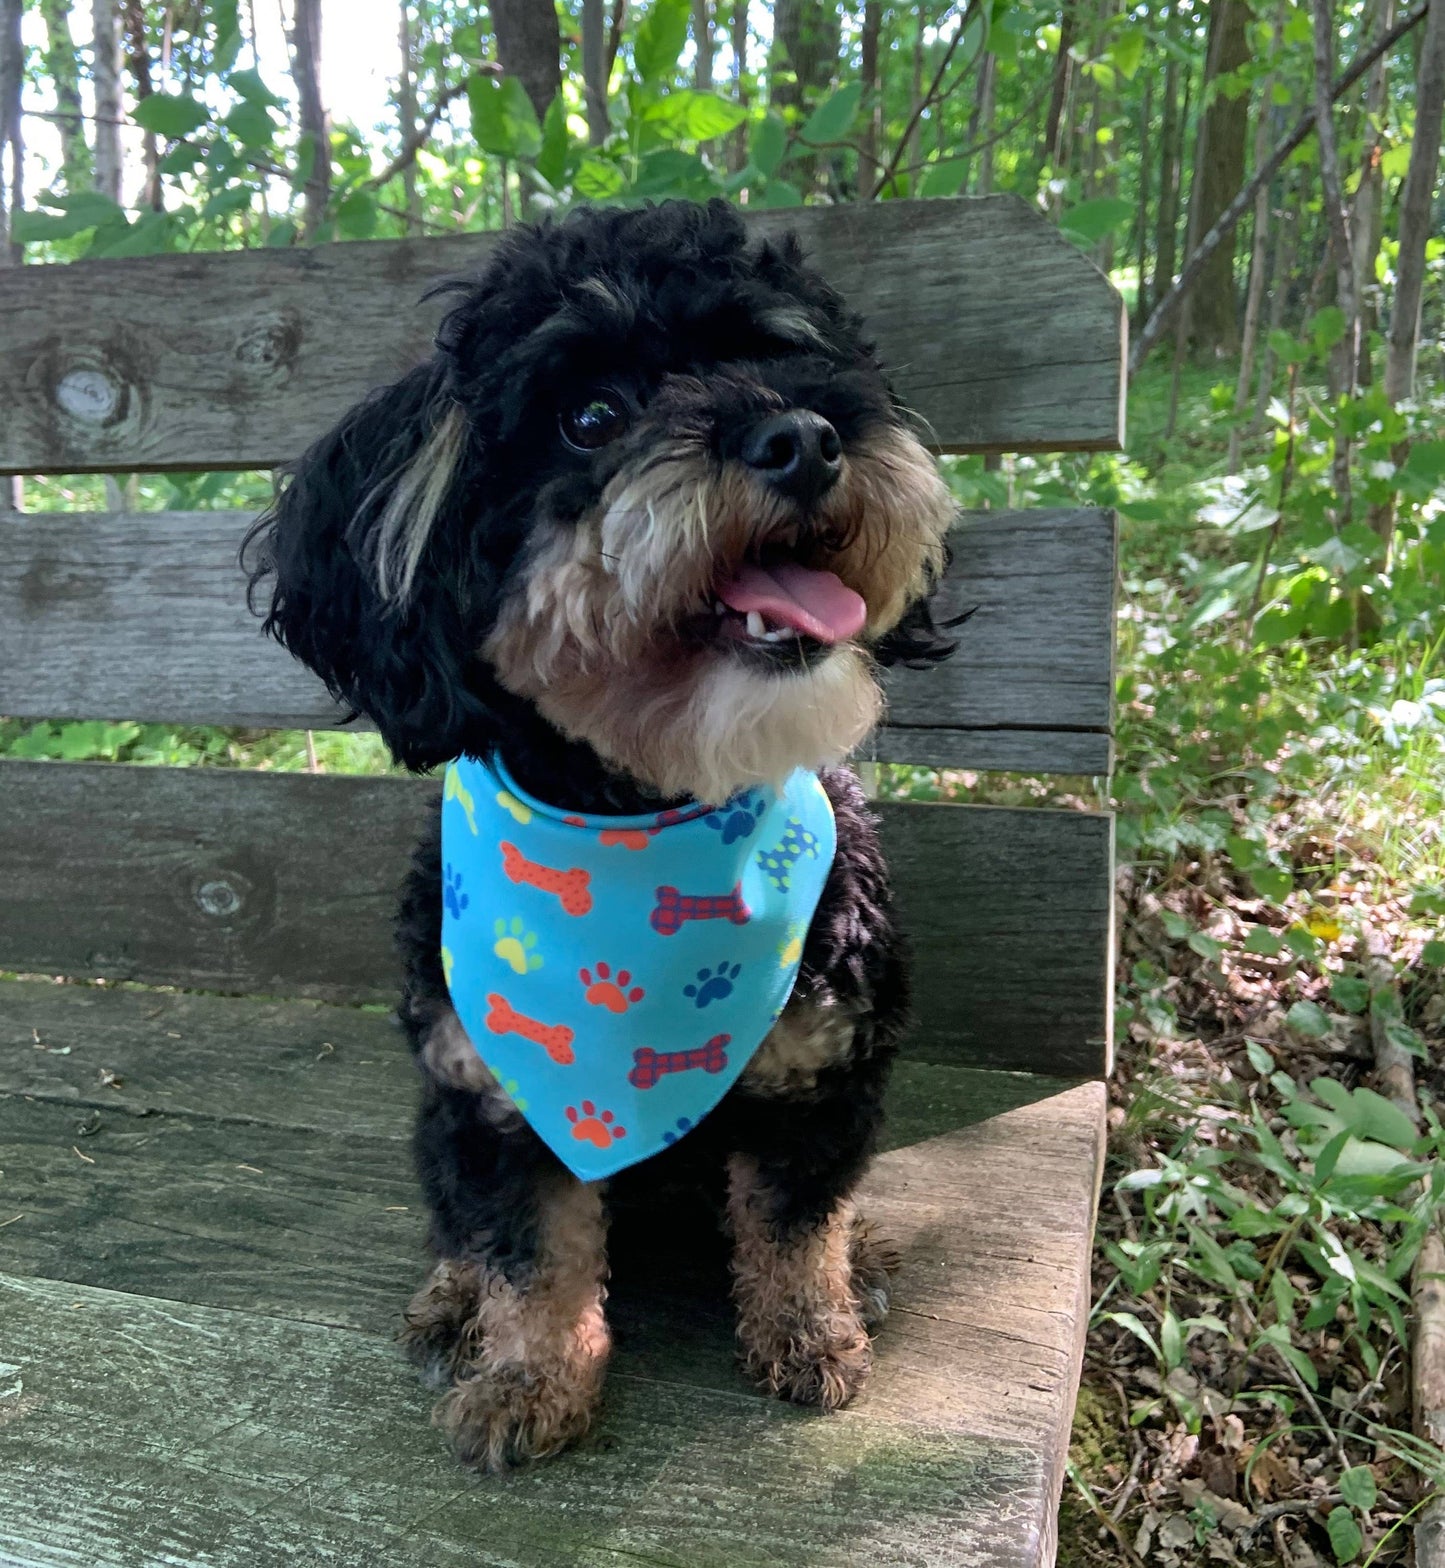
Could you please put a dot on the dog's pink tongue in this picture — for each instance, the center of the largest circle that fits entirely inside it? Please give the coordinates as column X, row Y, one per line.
column 815, row 603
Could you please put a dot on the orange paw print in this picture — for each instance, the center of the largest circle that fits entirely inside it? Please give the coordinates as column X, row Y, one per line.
column 594, row 1126
column 606, row 992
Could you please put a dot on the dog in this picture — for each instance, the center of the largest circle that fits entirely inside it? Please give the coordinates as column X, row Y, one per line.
column 641, row 531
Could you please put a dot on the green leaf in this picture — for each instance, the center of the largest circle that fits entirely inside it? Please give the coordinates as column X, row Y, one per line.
column 781, row 194
column 659, row 40
column 251, row 124
column 504, row 123
column 1127, row 52
column 234, row 198
column 943, row 178
column 831, row 120
column 1326, row 327
column 597, row 179
column 696, row 116
column 1271, row 883
column 1426, row 461
column 1433, row 952
column 1129, row 1321
column 356, row 216
column 668, row 171
column 1206, row 946
column 552, row 156
column 171, row 114
column 249, row 85
column 1171, row 1340
column 1308, row 1019
column 767, row 142
column 1263, row 941
column 1357, row 1487
column 83, row 210
column 1345, row 1539
column 1090, row 221
column 1302, row 943
column 1350, row 993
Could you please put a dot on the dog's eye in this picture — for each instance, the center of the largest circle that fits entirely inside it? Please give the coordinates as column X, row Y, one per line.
column 602, row 418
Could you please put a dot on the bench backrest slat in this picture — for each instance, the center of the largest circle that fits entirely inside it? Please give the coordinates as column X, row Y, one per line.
column 999, row 333
column 143, row 616
column 286, row 884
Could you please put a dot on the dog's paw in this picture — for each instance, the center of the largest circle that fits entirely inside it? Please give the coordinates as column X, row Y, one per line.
column 824, row 1370
column 499, row 1419
column 875, row 1260
column 435, row 1323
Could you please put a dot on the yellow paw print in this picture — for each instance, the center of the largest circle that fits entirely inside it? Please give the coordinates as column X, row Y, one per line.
column 448, row 964
column 514, row 945
column 457, row 791
column 791, row 952
column 520, row 813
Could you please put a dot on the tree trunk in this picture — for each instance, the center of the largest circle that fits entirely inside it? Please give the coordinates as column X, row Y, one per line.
column 106, row 72
column 1281, row 273
column 138, row 58
column 315, row 122
column 406, row 114
column 1368, row 210
column 1166, row 223
column 1347, row 355
column 529, row 46
column 64, row 70
column 1063, row 71
column 806, row 38
column 915, row 97
column 1141, row 287
column 702, row 45
column 980, row 125
column 1415, row 203
column 1218, row 175
column 872, row 79
column 594, row 69
column 1258, row 266
column 738, row 146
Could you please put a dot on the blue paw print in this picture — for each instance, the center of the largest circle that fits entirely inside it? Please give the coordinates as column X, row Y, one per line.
column 457, row 901
column 738, row 818
column 713, row 984
column 684, row 1124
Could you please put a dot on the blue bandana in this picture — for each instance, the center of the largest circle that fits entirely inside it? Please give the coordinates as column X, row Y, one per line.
column 616, row 974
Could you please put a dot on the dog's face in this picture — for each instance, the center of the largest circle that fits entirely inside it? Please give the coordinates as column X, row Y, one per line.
column 653, row 485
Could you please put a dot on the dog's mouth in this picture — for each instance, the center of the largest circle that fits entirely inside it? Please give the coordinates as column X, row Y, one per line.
column 779, row 610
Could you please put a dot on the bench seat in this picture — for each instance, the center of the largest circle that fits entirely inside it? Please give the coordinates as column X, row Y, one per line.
column 212, row 1227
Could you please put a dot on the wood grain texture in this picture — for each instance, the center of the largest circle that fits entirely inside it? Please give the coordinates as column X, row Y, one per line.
column 999, row 333
column 143, row 616
column 286, row 884
column 181, row 1422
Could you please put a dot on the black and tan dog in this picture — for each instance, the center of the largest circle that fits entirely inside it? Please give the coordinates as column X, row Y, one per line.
column 526, row 548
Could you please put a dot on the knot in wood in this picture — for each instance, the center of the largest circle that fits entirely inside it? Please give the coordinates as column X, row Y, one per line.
column 217, row 897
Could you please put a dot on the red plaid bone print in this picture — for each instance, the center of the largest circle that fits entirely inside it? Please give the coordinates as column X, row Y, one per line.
column 674, row 909
column 649, row 1065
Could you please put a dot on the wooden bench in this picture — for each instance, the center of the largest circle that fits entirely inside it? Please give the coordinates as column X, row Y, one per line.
column 208, row 1223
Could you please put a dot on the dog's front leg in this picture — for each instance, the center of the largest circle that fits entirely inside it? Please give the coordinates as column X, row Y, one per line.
column 801, row 1324
column 511, row 1316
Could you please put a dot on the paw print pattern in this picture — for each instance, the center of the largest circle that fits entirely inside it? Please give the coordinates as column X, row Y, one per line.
column 609, row 992
column 713, row 984
column 514, row 945
column 682, row 1125
column 778, row 861
column 449, row 963
column 456, row 900
column 738, row 818
column 594, row 1126
column 518, row 810
column 513, row 1090
column 790, row 952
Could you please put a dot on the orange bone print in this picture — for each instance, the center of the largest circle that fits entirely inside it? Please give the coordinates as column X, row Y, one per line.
column 570, row 887
column 555, row 1039
column 628, row 838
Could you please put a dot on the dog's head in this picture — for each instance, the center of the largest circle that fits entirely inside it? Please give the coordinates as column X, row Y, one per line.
column 652, row 485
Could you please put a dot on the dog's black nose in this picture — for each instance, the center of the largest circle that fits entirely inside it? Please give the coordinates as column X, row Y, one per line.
column 798, row 453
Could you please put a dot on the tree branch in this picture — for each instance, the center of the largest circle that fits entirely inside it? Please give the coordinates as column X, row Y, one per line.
column 422, row 134
column 891, row 168
column 1163, row 312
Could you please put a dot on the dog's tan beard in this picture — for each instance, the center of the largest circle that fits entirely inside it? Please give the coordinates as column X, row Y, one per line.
column 590, row 639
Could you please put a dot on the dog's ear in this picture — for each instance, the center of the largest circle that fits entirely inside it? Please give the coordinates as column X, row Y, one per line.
column 918, row 642
column 343, row 553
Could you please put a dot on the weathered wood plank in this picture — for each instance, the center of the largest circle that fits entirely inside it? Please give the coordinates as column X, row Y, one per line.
column 146, row 1432
column 1000, row 335
column 256, row 884
column 994, row 1224
column 143, row 616
column 318, row 1067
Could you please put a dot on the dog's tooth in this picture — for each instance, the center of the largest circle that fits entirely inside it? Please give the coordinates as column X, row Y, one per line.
column 756, row 627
